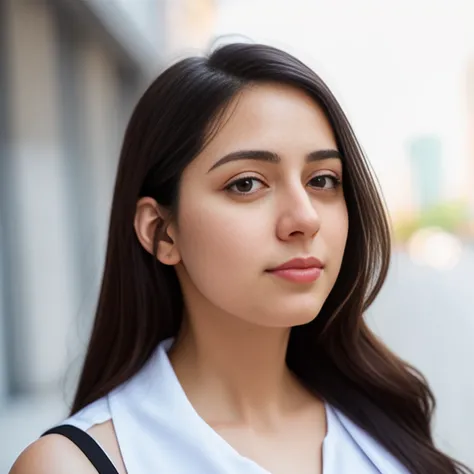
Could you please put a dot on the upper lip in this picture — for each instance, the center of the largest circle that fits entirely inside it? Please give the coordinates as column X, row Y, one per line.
column 300, row 263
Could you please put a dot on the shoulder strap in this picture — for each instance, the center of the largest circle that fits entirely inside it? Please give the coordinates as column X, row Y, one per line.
column 88, row 446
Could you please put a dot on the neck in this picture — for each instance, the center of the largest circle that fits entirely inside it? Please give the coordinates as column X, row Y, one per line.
column 233, row 371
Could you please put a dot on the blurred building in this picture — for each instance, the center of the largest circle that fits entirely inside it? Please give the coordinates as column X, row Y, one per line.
column 70, row 72
column 470, row 137
column 425, row 159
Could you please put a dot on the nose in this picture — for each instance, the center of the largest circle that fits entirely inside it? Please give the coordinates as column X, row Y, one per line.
column 298, row 217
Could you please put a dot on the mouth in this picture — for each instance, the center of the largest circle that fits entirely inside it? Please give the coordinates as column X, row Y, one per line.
column 299, row 270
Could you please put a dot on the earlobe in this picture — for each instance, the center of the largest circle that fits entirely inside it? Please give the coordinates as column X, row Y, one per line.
column 150, row 224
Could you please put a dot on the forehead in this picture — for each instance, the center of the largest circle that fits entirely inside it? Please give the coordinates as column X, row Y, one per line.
column 273, row 117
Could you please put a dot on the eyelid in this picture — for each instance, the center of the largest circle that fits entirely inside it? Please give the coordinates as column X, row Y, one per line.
column 244, row 175
column 335, row 174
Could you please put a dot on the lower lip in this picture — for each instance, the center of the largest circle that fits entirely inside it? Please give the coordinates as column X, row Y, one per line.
column 298, row 275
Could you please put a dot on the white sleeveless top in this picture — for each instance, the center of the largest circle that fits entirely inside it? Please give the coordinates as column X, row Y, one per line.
column 159, row 431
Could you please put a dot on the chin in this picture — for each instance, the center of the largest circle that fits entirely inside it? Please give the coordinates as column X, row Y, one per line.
column 301, row 309
column 292, row 317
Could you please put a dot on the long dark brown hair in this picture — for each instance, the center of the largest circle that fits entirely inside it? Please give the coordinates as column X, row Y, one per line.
column 140, row 304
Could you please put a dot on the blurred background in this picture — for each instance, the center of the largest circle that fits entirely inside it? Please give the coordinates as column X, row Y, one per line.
column 70, row 73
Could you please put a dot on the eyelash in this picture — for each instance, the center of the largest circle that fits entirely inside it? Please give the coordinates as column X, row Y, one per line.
column 336, row 183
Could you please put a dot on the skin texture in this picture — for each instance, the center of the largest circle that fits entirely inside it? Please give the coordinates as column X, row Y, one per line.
column 230, row 357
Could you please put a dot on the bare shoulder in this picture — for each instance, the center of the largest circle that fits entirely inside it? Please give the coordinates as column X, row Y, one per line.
column 52, row 454
column 104, row 434
column 55, row 454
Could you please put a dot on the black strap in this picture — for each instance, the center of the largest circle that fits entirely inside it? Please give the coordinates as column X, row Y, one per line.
column 87, row 445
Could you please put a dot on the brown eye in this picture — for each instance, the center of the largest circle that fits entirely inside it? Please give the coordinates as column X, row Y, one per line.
column 325, row 182
column 244, row 185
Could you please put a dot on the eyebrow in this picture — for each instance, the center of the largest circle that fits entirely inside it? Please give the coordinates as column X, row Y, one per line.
column 272, row 157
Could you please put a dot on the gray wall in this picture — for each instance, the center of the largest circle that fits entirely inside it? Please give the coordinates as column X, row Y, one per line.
column 70, row 73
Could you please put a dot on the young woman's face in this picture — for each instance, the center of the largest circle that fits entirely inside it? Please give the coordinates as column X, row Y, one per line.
column 261, row 194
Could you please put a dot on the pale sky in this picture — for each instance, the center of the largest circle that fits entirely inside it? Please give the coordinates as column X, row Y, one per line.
column 398, row 69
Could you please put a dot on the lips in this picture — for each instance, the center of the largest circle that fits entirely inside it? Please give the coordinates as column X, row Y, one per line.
column 300, row 264
column 299, row 270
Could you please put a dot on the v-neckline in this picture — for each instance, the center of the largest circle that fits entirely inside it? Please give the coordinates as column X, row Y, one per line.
column 203, row 430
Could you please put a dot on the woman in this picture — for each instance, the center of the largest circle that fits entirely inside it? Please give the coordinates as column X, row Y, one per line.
column 247, row 238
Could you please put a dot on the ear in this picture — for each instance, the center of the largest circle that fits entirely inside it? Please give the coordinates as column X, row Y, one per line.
column 149, row 223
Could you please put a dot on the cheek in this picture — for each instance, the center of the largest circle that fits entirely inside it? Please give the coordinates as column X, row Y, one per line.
column 336, row 229
column 216, row 244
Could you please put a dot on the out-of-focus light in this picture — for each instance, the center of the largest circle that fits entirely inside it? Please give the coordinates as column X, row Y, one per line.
column 436, row 248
